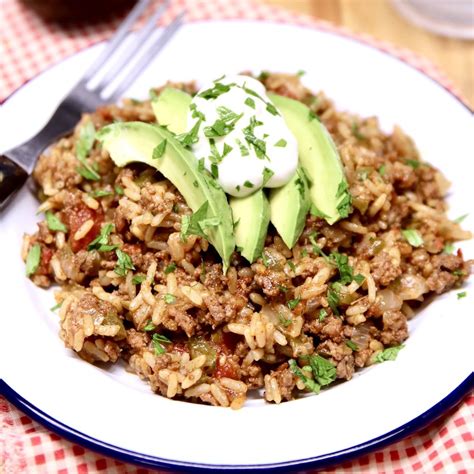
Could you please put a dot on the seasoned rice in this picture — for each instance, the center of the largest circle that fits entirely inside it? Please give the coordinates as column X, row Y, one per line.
column 195, row 334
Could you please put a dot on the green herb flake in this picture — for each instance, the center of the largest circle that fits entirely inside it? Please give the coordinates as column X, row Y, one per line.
column 382, row 170
column 85, row 141
column 292, row 304
column 158, row 340
column 248, row 184
column 333, row 299
column 33, row 259
column 201, row 166
column 226, row 150
column 461, row 294
column 88, row 173
column 267, row 175
column 304, row 252
column 322, row 315
column 56, row 306
column 413, row 237
column 356, row 132
column 285, row 322
column 281, row 143
column 312, row 116
column 310, row 384
column 352, row 345
column 301, row 73
column 324, row 372
column 215, row 91
column 214, row 170
column 101, row 242
column 124, row 263
column 345, row 204
column 291, row 265
column 265, row 259
column 137, row 279
column 170, row 268
column 196, row 113
column 159, row 150
column 272, row 109
column 415, row 164
column 244, row 151
column 191, row 137
column 460, row 219
column 169, row 298
column 282, row 288
column 150, row 326
column 458, row 273
column 390, row 353
column 250, row 102
column 198, row 222
column 448, row 248
column 97, row 193
column 54, row 223
column 119, row 190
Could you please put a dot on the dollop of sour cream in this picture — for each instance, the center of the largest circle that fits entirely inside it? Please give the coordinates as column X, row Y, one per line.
column 242, row 139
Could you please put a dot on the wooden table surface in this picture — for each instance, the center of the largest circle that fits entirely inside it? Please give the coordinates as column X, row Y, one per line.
column 380, row 19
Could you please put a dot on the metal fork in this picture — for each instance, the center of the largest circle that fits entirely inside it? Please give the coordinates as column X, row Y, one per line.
column 18, row 163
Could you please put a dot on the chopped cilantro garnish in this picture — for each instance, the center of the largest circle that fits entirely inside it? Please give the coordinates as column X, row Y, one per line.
column 312, row 116
column 258, row 144
column 119, row 190
column 460, row 219
column 311, row 384
column 223, row 125
column 83, row 148
column 448, row 248
column 191, row 137
column 324, row 371
column 267, row 175
column 304, row 252
column 248, row 184
column 415, row 164
column 159, row 150
column 214, row 171
column 215, row 91
column 244, row 151
column 198, row 222
column 150, row 326
column 345, row 204
column 170, row 268
column 87, row 172
column 250, row 102
column 201, row 165
column 352, row 345
column 322, row 314
column 265, row 259
column 292, row 304
column 413, row 237
column 33, row 259
column 458, row 273
column 356, row 132
column 54, row 222
column 272, row 109
column 196, row 113
column 124, row 263
column 291, row 265
column 158, row 340
column 195, row 184
column 101, row 242
column 285, row 322
column 300, row 73
column 169, row 298
column 101, row 193
column 390, row 353
column 461, row 294
column 281, row 143
column 282, row 288
column 226, row 150
column 382, row 170
column 333, row 299
column 137, row 279
column 56, row 306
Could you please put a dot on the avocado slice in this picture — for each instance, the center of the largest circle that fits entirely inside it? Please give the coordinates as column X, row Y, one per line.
column 171, row 109
column 319, row 158
column 127, row 142
column 251, row 217
column 289, row 206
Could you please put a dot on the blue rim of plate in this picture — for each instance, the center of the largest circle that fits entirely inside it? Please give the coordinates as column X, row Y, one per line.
column 317, row 462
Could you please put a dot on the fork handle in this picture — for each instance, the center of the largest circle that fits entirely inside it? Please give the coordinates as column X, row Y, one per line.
column 12, row 178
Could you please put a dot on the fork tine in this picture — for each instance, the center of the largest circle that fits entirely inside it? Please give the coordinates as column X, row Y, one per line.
column 137, row 42
column 148, row 55
column 117, row 39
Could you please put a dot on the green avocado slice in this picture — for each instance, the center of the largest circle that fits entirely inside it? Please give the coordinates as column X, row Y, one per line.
column 319, row 158
column 289, row 206
column 251, row 217
column 171, row 109
column 129, row 142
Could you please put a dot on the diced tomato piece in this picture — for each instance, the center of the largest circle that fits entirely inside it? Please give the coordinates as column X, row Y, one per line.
column 225, row 369
column 75, row 217
column 46, row 254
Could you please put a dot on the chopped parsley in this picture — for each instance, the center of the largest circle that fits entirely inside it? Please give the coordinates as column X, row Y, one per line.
column 101, row 193
column 382, row 170
column 322, row 315
column 244, row 151
column 413, row 237
column 119, row 190
column 248, row 184
column 169, row 298
column 415, row 164
column 352, row 345
column 461, row 294
column 250, row 102
column 265, row 259
column 198, row 222
column 291, row 265
column 170, row 268
column 310, row 384
column 333, row 299
column 258, row 144
column 191, row 137
column 223, row 125
column 158, row 340
column 460, row 219
column 54, row 222
column 292, row 304
column 33, row 259
column 215, row 91
column 285, row 322
column 272, row 109
column 281, row 143
column 214, row 170
column 345, row 204
column 390, row 353
column 226, row 150
column 448, row 248
column 312, row 116
column 301, row 73
column 101, row 242
column 150, row 326
column 458, row 273
column 267, row 175
column 324, row 371
column 356, row 132
column 56, row 306
column 137, row 279
column 196, row 113
column 159, row 150
column 84, row 146
column 201, row 166
column 124, row 263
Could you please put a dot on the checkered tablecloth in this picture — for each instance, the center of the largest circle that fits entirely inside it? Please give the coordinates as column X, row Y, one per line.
column 27, row 47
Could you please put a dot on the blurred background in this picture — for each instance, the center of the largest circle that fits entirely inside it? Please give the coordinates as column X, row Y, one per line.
column 440, row 30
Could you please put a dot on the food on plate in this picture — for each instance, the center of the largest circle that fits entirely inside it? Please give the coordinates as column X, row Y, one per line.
column 209, row 291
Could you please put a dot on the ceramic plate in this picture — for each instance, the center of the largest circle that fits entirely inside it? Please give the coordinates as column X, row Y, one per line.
column 114, row 412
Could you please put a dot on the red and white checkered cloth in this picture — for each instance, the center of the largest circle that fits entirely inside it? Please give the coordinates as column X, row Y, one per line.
column 29, row 46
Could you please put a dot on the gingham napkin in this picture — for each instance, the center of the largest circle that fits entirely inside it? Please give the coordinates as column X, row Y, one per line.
column 28, row 47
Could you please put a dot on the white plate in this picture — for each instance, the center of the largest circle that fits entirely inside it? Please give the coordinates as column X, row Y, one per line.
column 113, row 411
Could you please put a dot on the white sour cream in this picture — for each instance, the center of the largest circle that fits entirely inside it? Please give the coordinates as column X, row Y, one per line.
column 243, row 139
